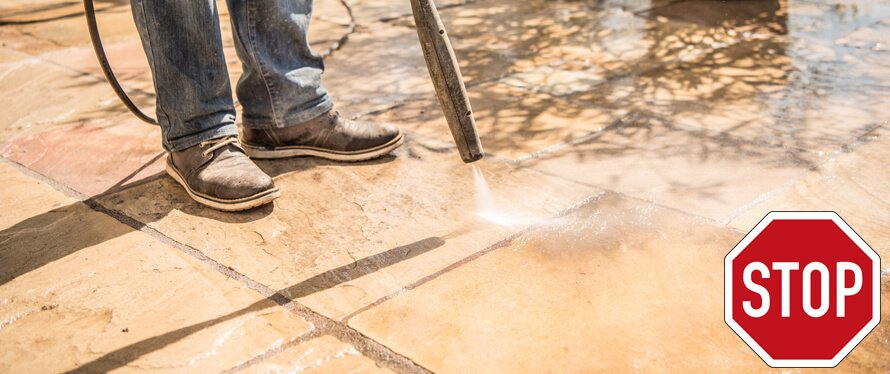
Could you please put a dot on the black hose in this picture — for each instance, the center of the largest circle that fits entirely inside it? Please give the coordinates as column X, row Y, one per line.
column 93, row 26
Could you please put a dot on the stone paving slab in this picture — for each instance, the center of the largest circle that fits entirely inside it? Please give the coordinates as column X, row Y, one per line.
column 874, row 37
column 745, row 93
column 343, row 236
column 380, row 10
column 619, row 285
column 81, row 290
column 690, row 171
column 63, row 98
column 320, row 355
column 62, row 27
column 576, row 39
column 854, row 185
column 512, row 123
column 78, row 115
column 106, row 157
column 11, row 55
column 381, row 67
column 127, row 58
column 718, row 109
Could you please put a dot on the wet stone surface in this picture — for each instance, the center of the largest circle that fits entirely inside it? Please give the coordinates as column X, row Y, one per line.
column 602, row 289
column 630, row 144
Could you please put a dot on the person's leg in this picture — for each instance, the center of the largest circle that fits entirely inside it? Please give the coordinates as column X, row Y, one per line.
column 287, row 111
column 281, row 84
column 195, row 110
column 184, row 47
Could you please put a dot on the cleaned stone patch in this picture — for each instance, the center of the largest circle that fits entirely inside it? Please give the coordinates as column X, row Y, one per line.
column 619, row 285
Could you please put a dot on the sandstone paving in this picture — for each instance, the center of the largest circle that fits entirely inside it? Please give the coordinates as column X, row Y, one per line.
column 11, row 55
column 79, row 290
column 367, row 11
column 381, row 66
column 608, row 62
column 512, row 123
column 54, row 112
column 874, row 37
column 44, row 26
column 692, row 171
column 792, row 82
column 127, row 59
column 320, row 355
column 620, row 285
column 855, row 185
column 108, row 157
column 39, row 96
column 567, row 47
column 747, row 92
column 343, row 236
column 723, row 110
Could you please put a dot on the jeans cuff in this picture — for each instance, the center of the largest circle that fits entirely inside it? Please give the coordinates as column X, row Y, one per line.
column 225, row 129
column 324, row 105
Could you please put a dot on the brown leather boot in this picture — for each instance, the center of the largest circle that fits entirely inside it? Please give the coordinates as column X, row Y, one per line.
column 218, row 174
column 328, row 136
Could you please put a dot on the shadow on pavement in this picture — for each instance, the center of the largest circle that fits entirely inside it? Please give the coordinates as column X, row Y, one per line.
column 329, row 279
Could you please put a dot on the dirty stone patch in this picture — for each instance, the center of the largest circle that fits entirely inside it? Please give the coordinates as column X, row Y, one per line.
column 39, row 96
column 512, row 123
column 64, row 27
column 93, row 294
column 106, row 158
column 381, row 66
column 384, row 10
column 343, row 236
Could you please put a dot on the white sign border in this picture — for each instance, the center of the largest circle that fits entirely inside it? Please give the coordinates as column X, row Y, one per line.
column 876, row 290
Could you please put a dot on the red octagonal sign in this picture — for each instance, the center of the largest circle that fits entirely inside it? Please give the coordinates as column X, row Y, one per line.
column 802, row 289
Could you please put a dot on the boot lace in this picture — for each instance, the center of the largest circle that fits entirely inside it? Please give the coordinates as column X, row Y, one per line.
column 216, row 144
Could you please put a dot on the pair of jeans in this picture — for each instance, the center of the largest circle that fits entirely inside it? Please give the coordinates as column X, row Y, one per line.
column 281, row 81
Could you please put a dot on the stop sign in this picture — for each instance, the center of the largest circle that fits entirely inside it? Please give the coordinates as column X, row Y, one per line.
column 802, row 289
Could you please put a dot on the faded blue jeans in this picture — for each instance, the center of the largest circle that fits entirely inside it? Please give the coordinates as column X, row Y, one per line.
column 281, row 83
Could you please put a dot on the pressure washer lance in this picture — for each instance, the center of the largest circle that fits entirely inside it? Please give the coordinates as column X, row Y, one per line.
column 440, row 59
column 445, row 73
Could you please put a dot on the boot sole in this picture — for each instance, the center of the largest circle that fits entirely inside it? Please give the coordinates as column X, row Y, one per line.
column 225, row 205
column 262, row 153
